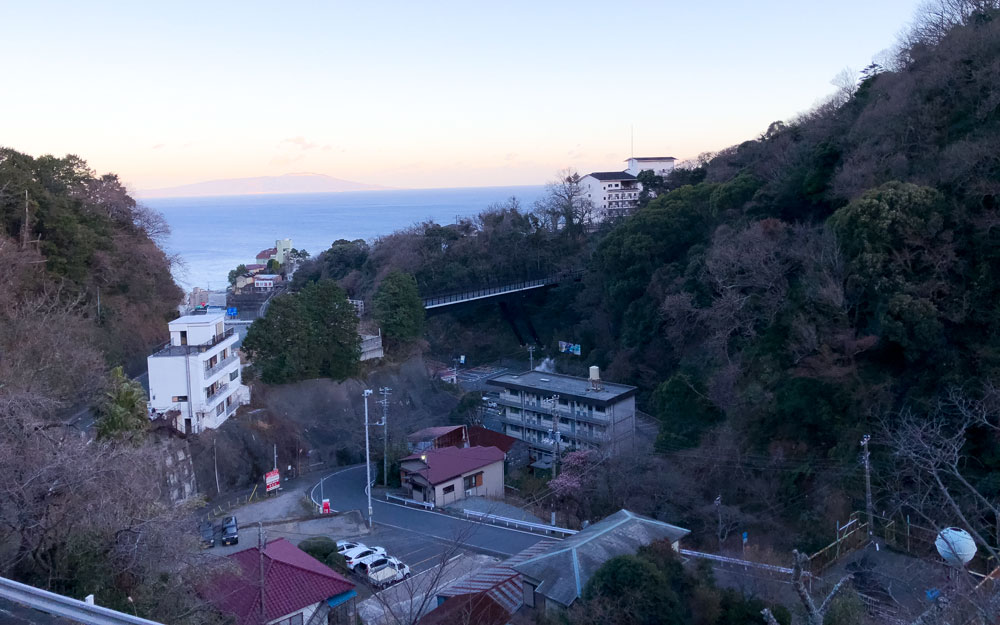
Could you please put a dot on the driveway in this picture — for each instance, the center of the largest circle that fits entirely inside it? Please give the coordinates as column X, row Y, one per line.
column 346, row 491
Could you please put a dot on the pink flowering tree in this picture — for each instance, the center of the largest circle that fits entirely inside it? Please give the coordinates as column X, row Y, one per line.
column 575, row 480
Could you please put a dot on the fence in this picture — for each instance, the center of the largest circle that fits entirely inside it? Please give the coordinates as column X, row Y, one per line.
column 784, row 572
column 408, row 502
column 493, row 519
column 473, row 294
column 221, row 509
column 66, row 607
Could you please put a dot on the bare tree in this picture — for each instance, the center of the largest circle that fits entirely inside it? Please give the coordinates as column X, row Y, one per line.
column 814, row 613
column 565, row 205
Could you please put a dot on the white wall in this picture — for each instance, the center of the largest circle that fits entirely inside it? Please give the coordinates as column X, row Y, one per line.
column 660, row 168
column 201, row 329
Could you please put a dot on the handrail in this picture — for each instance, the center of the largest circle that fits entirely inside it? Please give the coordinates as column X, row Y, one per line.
column 404, row 501
column 66, row 607
column 517, row 523
column 736, row 561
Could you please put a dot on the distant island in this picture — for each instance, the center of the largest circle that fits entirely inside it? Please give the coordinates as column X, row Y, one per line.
column 288, row 183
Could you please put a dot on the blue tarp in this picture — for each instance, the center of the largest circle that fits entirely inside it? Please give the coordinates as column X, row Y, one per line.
column 341, row 598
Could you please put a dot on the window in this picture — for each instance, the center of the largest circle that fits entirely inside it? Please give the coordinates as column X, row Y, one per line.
column 449, row 489
column 234, row 375
column 293, row 620
column 474, row 480
column 178, row 398
column 220, row 409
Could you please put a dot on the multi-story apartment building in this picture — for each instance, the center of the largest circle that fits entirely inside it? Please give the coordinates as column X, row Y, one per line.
column 612, row 193
column 556, row 413
column 195, row 379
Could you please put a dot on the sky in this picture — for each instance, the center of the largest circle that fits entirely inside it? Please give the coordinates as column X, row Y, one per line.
column 416, row 94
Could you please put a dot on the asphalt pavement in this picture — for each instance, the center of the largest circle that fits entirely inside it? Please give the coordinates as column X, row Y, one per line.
column 346, row 491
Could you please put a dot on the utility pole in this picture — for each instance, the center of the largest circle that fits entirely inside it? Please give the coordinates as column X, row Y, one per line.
column 385, row 391
column 275, row 456
column 368, row 460
column 555, row 435
column 718, row 509
column 25, row 226
column 260, row 549
column 215, row 452
column 865, row 455
column 531, row 357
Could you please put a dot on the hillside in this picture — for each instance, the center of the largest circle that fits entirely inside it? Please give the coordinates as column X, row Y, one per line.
column 85, row 288
column 778, row 299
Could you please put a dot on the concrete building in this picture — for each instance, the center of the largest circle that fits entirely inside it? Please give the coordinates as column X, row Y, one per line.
column 443, row 476
column 559, row 413
column 555, row 579
column 659, row 165
column 613, row 193
column 194, row 380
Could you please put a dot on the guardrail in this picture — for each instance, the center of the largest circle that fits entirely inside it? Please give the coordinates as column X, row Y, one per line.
column 516, row 523
column 66, row 607
column 406, row 502
column 737, row 562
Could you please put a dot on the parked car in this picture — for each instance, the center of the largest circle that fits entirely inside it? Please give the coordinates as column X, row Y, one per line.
column 347, row 545
column 230, row 531
column 207, row 531
column 362, row 556
column 385, row 571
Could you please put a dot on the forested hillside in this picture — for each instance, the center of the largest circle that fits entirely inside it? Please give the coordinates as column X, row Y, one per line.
column 85, row 288
column 788, row 294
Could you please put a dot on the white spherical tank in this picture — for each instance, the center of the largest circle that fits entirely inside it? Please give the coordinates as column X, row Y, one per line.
column 956, row 546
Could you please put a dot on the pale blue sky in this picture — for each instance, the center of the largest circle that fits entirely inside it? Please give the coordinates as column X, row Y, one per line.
column 411, row 94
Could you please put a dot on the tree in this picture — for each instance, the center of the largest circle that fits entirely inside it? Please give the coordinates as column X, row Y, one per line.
column 240, row 271
column 309, row 334
column 123, row 411
column 273, row 266
column 565, row 205
column 398, row 307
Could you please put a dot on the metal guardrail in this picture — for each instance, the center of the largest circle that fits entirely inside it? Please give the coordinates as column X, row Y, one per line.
column 406, row 502
column 737, row 562
column 474, row 294
column 66, row 607
column 516, row 523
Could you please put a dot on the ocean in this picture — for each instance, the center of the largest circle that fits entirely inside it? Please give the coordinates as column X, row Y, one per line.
column 212, row 235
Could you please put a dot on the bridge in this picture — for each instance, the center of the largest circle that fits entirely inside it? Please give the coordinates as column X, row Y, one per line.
column 460, row 297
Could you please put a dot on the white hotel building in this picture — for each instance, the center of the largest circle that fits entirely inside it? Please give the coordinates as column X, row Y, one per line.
column 195, row 379
column 616, row 193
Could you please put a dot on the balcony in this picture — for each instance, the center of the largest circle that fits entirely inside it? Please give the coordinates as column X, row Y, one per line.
column 217, row 393
column 220, row 366
column 562, row 412
column 183, row 350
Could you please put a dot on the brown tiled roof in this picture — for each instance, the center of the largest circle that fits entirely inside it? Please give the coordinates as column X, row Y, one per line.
column 449, row 462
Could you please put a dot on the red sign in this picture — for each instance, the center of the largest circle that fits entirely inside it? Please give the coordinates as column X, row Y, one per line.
column 326, row 506
column 272, row 480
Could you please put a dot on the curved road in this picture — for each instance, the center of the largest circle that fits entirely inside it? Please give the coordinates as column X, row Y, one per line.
column 346, row 491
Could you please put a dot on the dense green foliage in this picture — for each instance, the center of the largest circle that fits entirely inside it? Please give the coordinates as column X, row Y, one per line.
column 652, row 588
column 399, row 310
column 97, row 244
column 240, row 271
column 123, row 411
column 309, row 334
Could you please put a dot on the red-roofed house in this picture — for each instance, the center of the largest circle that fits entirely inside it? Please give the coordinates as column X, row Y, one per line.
column 515, row 449
column 297, row 590
column 265, row 255
column 443, row 476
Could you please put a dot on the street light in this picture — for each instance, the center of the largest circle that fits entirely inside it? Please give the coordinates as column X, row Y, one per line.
column 368, row 460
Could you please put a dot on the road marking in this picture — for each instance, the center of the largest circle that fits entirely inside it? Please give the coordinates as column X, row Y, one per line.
column 415, row 576
column 459, row 518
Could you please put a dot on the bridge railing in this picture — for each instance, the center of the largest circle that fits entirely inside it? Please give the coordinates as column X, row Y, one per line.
column 438, row 300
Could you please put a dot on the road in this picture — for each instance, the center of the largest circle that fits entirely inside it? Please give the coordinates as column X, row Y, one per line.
column 345, row 490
